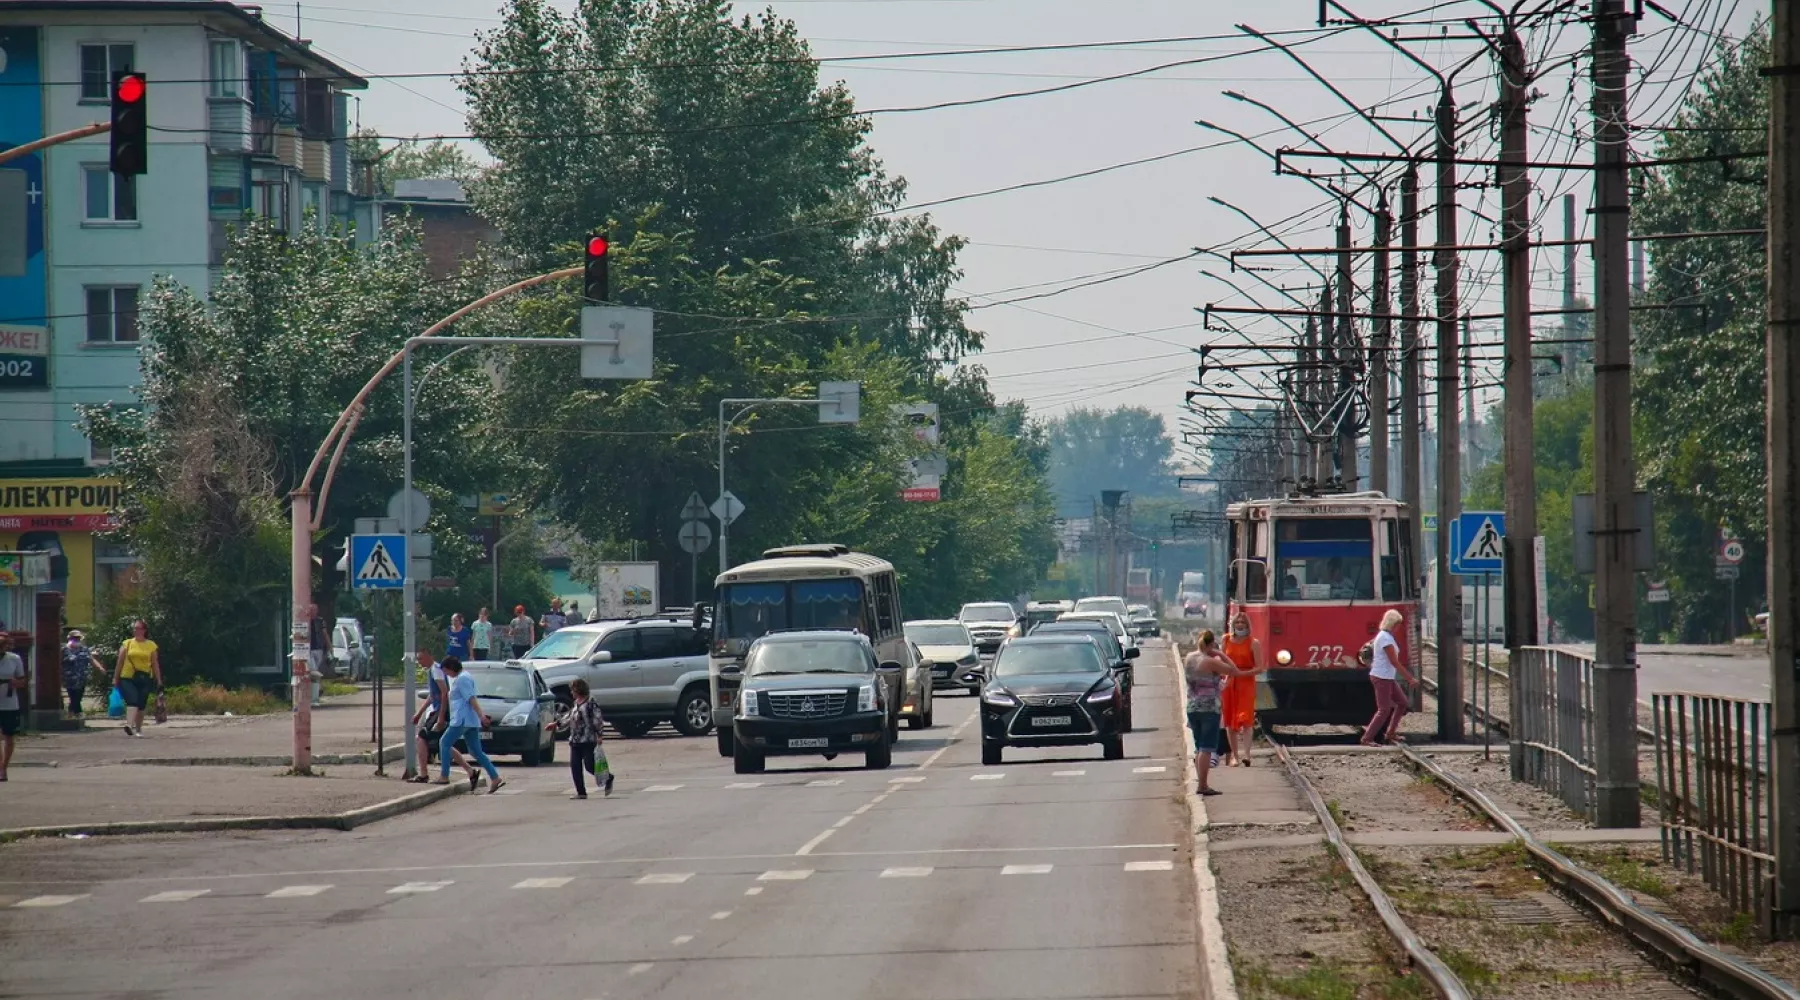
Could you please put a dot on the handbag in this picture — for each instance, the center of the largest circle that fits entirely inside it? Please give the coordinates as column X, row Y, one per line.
column 162, row 709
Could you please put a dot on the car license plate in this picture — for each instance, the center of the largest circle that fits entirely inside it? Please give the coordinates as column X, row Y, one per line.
column 810, row 742
column 1051, row 720
column 486, row 737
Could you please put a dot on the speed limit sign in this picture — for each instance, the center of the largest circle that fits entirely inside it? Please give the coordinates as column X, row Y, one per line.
column 1732, row 552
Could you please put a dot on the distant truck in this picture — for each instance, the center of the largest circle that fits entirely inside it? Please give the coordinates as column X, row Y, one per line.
column 1192, row 595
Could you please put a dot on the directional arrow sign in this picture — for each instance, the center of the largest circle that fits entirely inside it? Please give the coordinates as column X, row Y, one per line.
column 694, row 509
column 376, row 561
column 727, row 508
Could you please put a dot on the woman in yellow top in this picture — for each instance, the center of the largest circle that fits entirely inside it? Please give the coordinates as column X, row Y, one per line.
column 1238, row 707
column 140, row 666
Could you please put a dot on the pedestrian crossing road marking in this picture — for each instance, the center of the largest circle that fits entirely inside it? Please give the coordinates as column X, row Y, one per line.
column 825, row 783
column 662, row 788
column 1155, row 769
column 642, row 967
column 43, row 901
column 722, row 915
column 1067, row 774
column 1027, row 869
column 543, row 883
column 745, row 784
column 175, row 896
column 682, row 939
column 755, row 890
column 411, row 887
column 1149, row 866
column 791, row 875
column 986, row 777
column 289, row 891
column 665, row 878
column 905, row 872
column 905, row 781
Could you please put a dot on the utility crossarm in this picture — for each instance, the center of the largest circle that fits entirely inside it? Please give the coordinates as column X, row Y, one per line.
column 1328, row 314
column 1673, row 161
column 1287, row 251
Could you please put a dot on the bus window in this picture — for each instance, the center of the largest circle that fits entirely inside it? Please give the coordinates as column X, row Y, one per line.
column 1325, row 559
column 826, row 604
column 751, row 610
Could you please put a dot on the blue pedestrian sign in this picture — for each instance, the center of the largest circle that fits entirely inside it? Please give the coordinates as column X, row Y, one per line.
column 377, row 562
column 1475, row 543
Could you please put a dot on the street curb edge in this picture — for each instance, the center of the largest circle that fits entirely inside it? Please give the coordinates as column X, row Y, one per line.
column 348, row 820
column 1218, row 983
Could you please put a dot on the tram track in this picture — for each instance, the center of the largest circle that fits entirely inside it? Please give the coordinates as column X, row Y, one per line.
column 1449, row 895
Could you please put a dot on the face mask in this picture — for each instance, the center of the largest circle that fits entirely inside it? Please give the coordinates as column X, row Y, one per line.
column 1240, row 630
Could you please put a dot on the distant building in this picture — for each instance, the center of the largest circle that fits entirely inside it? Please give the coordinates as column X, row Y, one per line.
column 245, row 120
column 449, row 227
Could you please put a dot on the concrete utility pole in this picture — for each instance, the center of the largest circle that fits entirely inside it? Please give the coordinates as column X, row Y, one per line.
column 1519, row 575
column 1449, row 505
column 1469, row 463
column 1615, row 480
column 1568, row 324
column 1410, row 448
column 1783, row 336
column 1378, row 358
column 1347, row 354
column 1323, row 359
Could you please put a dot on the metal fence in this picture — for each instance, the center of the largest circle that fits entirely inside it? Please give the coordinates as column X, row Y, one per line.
column 1553, row 716
column 1712, row 776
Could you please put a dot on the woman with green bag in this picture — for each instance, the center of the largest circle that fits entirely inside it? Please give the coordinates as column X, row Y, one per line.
column 583, row 723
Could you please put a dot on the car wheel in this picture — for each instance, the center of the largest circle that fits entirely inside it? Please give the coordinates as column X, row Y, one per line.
column 634, row 728
column 879, row 756
column 693, row 713
column 725, row 741
column 746, row 761
column 1114, row 748
column 894, row 729
column 548, row 754
column 915, row 722
column 929, row 698
column 990, row 754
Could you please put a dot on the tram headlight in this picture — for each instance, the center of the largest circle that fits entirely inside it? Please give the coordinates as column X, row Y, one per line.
column 1284, row 657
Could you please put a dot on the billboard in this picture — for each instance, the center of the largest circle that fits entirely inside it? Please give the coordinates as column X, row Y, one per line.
column 24, row 289
column 924, row 473
column 626, row 590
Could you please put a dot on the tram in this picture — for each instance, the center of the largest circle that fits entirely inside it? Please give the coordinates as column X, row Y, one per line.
column 1314, row 574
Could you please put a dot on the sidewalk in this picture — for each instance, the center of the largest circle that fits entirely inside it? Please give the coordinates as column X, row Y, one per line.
column 341, row 726
column 35, row 796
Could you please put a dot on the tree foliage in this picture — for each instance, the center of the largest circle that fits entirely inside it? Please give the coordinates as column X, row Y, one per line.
column 1127, row 448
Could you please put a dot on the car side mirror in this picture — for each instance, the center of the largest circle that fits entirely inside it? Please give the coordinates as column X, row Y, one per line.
column 546, row 698
column 699, row 615
column 890, row 667
column 1133, row 653
column 600, row 656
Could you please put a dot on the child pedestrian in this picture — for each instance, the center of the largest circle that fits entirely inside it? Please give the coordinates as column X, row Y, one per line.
column 583, row 723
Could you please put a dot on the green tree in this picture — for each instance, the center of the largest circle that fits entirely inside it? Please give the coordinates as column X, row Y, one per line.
column 405, row 160
column 1127, row 448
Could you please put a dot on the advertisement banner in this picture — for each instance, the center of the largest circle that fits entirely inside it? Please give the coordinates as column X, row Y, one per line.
column 627, row 590
column 924, row 473
column 24, row 569
column 59, row 517
column 24, row 289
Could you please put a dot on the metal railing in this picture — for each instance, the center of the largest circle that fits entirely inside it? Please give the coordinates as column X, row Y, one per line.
column 1553, row 718
column 1712, row 771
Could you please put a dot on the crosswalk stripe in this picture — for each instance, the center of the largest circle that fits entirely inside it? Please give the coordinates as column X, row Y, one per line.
column 790, row 875
column 682, row 939
column 1153, row 769
column 175, row 896
column 290, row 891
column 986, row 777
column 1026, row 869
column 1067, row 774
column 906, row 781
column 665, row 878
column 543, row 883
column 411, row 887
column 663, row 788
column 722, row 915
column 905, row 872
column 825, row 783
column 38, row 902
column 1149, row 866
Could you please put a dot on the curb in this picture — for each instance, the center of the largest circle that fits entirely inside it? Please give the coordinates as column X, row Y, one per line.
column 349, row 820
column 388, row 756
column 1218, row 983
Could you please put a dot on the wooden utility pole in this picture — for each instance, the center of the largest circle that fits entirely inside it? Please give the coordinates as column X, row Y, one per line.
column 1784, row 451
column 1348, row 359
column 1449, row 368
column 1378, row 355
column 1615, row 480
column 1519, row 576
column 1568, row 289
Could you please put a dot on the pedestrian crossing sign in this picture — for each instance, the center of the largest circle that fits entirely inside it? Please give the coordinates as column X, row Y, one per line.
column 1476, row 543
column 376, row 561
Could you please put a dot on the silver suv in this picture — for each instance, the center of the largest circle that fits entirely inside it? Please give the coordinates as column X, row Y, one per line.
column 640, row 672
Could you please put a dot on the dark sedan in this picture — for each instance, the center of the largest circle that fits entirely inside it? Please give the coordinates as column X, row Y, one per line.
column 1053, row 690
column 517, row 709
column 818, row 693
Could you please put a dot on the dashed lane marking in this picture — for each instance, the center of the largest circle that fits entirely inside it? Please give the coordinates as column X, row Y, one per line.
column 987, row 777
column 908, row 780
column 1027, row 869
column 543, row 883
column 789, row 875
column 755, row 890
column 722, row 915
column 641, row 968
column 745, row 784
column 412, row 887
column 665, row 878
column 1157, row 769
column 1149, row 866
column 840, row 824
column 1067, row 774
column 291, row 891
column 664, row 788
column 39, row 902
column 807, row 848
column 175, row 896
column 825, row 783
column 682, row 939
column 905, row 872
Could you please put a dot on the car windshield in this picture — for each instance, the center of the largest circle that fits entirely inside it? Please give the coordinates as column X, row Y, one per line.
column 1100, row 604
column 752, row 610
column 938, row 635
column 1111, row 622
column 505, row 685
column 1324, row 559
column 563, row 645
column 987, row 613
column 808, row 656
column 1049, row 658
column 1141, row 611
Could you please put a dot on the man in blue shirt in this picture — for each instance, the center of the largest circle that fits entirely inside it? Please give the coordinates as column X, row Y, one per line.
column 465, row 725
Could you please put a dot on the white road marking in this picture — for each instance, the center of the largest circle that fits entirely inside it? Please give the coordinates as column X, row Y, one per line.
column 665, row 878
column 1067, row 774
column 418, row 887
column 1158, row 769
column 745, row 784
column 682, row 939
column 789, row 875
column 290, row 891
column 641, row 968
column 1027, row 869
column 663, row 788
column 722, row 915
column 905, row 872
column 825, row 783
column 1149, row 866
column 175, row 896
column 909, row 780
column 865, row 807
column 987, row 777
column 840, row 824
column 755, row 890
column 543, row 883
column 954, row 738
column 807, row 847
column 42, row 901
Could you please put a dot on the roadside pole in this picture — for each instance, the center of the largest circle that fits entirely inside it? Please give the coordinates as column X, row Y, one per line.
column 1378, row 358
column 1449, row 492
column 1347, row 355
column 744, row 407
column 1784, row 453
column 1410, row 431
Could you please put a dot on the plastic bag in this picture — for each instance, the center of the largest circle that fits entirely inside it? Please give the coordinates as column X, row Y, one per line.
column 600, row 764
column 115, row 705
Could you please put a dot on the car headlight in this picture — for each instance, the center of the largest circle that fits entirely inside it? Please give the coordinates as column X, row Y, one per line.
column 517, row 717
column 748, row 703
column 999, row 698
column 1104, row 693
column 865, row 698
column 1013, row 632
column 1284, row 657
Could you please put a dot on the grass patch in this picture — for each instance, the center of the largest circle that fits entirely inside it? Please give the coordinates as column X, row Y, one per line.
column 202, row 698
column 1471, row 970
column 332, row 688
column 1337, row 813
column 1740, row 931
column 1325, row 981
column 1626, row 872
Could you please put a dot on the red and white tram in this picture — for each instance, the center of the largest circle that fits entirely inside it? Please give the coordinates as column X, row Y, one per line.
column 1315, row 574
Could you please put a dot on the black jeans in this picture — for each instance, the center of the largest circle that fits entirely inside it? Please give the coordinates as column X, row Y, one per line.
column 75, row 694
column 581, row 764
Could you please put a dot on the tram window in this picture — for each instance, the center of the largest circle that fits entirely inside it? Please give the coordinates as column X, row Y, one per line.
column 1403, row 532
column 1231, row 562
column 1256, row 581
column 1324, row 559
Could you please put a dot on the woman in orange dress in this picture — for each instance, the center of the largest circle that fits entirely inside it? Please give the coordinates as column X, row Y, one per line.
column 1238, row 706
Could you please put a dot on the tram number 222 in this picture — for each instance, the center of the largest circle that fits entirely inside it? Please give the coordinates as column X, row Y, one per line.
column 1324, row 656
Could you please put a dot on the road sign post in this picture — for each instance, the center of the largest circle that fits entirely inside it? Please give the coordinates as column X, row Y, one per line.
column 694, row 537
column 377, row 561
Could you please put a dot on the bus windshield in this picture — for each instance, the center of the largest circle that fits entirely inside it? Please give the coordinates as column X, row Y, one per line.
column 753, row 609
column 1324, row 559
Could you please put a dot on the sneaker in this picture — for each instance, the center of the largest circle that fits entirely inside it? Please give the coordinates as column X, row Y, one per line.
column 606, row 787
column 128, row 731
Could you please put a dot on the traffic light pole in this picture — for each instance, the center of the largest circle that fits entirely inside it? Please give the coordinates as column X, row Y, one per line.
column 97, row 128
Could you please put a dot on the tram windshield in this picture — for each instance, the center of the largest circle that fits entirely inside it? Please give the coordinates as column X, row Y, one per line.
column 1324, row 559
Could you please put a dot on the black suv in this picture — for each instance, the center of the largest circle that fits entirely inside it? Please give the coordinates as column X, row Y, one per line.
column 816, row 693
column 1116, row 656
column 1051, row 690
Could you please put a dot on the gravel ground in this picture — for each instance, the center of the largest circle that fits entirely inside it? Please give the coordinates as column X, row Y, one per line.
column 1369, row 792
column 1530, row 805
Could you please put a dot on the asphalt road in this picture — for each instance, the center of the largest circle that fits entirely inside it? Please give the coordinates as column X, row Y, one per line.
column 1722, row 671
column 1055, row 875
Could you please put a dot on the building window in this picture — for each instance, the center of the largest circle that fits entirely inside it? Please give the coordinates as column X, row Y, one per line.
column 99, row 454
column 227, row 64
column 99, row 64
column 112, row 314
column 110, row 198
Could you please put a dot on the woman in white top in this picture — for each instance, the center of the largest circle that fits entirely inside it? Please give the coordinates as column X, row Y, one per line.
column 1385, row 669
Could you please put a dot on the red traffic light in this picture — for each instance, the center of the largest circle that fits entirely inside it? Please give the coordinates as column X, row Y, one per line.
column 131, row 88
column 596, row 246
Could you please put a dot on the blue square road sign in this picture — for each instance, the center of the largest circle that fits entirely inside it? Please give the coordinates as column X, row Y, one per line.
column 1475, row 543
column 377, row 562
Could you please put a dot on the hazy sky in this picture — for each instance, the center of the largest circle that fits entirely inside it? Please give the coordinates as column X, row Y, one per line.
column 1130, row 339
